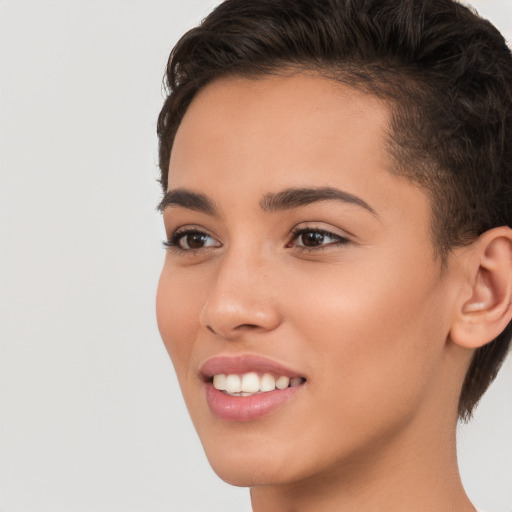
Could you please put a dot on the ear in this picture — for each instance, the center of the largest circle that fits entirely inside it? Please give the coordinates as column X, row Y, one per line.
column 482, row 317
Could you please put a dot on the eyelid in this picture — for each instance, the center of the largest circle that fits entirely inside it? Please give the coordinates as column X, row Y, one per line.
column 322, row 227
column 173, row 241
column 188, row 228
column 340, row 238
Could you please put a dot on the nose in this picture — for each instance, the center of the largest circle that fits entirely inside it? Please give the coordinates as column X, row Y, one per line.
column 242, row 299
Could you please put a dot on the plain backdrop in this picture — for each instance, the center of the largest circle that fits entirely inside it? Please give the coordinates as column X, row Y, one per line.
column 91, row 417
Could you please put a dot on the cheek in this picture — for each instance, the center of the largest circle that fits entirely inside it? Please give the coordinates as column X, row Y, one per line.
column 177, row 310
column 379, row 335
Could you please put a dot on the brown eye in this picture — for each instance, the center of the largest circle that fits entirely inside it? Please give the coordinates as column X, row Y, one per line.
column 312, row 238
column 193, row 241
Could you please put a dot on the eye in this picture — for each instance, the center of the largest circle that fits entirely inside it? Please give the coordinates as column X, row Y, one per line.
column 313, row 238
column 191, row 240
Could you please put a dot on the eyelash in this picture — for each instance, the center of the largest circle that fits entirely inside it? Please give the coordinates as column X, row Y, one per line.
column 299, row 231
column 173, row 244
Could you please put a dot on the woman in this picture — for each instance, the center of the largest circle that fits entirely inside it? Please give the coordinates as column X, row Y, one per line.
column 336, row 291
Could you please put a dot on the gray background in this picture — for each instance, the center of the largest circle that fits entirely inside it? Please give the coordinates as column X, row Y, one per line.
column 91, row 418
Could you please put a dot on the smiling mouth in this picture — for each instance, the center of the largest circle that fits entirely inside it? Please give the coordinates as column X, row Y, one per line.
column 248, row 387
column 252, row 383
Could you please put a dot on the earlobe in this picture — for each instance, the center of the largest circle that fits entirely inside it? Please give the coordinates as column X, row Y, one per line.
column 487, row 312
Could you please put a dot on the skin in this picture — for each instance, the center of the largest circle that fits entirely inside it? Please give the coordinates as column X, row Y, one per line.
column 365, row 317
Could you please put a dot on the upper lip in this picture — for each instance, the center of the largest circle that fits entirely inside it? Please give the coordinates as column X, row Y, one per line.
column 239, row 364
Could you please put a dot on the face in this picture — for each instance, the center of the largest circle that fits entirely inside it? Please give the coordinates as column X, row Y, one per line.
column 299, row 280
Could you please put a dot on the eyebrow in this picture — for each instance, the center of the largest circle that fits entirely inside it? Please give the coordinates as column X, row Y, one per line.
column 297, row 197
column 274, row 201
column 188, row 199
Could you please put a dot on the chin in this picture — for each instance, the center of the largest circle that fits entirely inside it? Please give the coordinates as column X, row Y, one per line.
column 251, row 466
column 249, row 474
column 248, row 477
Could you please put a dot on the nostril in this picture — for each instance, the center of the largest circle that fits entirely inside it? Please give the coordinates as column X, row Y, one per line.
column 240, row 327
column 248, row 326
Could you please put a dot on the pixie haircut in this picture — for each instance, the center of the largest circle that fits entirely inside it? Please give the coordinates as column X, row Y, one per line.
column 445, row 73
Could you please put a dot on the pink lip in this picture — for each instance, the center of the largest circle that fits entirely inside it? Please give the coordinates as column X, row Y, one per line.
column 243, row 364
column 245, row 408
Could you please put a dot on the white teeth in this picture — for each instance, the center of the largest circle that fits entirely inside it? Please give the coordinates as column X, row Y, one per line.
column 251, row 383
column 233, row 384
column 267, row 383
column 219, row 382
column 282, row 382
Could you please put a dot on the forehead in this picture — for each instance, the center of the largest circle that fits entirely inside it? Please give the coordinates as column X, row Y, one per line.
column 242, row 139
column 275, row 122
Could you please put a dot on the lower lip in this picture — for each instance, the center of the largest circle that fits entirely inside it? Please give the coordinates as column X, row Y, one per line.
column 247, row 408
